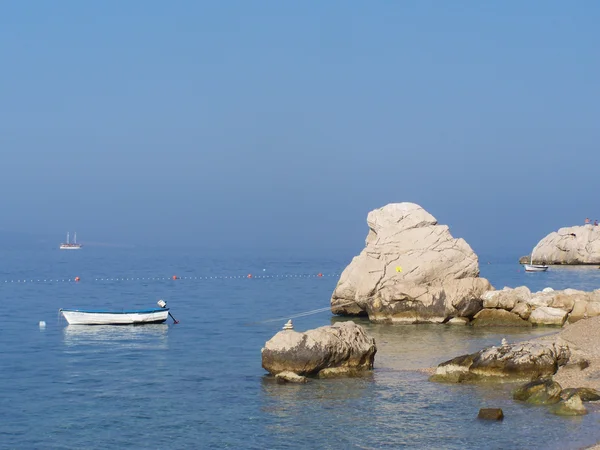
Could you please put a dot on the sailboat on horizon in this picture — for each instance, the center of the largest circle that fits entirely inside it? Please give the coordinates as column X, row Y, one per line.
column 70, row 246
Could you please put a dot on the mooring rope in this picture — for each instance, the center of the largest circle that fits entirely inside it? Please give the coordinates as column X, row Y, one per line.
column 305, row 313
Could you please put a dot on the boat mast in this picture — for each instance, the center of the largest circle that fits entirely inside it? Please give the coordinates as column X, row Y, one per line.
column 75, row 238
column 67, row 237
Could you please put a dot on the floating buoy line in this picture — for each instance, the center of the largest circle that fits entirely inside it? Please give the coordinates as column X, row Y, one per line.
column 249, row 276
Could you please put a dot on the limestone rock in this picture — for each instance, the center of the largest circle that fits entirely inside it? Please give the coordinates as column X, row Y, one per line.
column 565, row 301
column 578, row 312
column 569, row 245
column 498, row 318
column 585, row 394
column 290, row 377
column 519, row 361
column 506, row 298
column 341, row 345
column 522, row 309
column 541, row 299
column 458, row 321
column 548, row 316
column 539, row 392
column 571, row 406
column 411, row 270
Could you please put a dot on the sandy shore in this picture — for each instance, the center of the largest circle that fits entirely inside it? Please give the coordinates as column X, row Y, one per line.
column 583, row 338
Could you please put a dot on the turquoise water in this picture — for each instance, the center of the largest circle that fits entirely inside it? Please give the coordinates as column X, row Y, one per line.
column 199, row 384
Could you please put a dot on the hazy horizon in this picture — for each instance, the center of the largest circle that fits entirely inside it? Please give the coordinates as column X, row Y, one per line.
column 273, row 125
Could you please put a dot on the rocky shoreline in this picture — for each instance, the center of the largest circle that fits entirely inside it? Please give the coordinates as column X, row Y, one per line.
column 562, row 370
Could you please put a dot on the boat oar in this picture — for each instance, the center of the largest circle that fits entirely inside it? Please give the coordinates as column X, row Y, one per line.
column 174, row 319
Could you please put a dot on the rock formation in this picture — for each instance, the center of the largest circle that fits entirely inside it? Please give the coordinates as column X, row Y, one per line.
column 340, row 349
column 570, row 245
column 520, row 361
column 544, row 391
column 411, row 271
column 547, row 307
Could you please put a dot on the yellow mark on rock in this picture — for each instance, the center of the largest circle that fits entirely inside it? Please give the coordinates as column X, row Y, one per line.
column 398, row 269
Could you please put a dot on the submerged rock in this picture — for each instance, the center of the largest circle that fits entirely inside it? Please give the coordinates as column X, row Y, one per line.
column 586, row 394
column 344, row 346
column 520, row 361
column 539, row 392
column 490, row 414
column 570, row 406
column 290, row 377
column 458, row 321
column 411, row 271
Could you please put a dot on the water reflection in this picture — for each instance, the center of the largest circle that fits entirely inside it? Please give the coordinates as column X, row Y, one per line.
column 289, row 405
column 130, row 336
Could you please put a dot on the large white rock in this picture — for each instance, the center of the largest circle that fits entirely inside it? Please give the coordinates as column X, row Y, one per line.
column 569, row 245
column 342, row 348
column 411, row 270
column 545, row 315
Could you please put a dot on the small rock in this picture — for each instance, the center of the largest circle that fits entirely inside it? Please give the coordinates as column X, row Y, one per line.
column 290, row 377
column 539, row 392
column 571, row 406
column 548, row 289
column 458, row 321
column 586, row 394
column 576, row 363
column 522, row 309
column 490, row 414
column 498, row 318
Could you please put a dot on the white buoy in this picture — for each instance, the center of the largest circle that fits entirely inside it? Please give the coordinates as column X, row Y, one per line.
column 288, row 325
column 42, row 324
column 161, row 303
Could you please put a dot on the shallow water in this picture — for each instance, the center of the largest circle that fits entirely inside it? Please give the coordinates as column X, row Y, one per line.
column 199, row 384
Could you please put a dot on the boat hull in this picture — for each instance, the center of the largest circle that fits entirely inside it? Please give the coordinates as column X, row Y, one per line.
column 77, row 317
column 535, row 268
column 70, row 247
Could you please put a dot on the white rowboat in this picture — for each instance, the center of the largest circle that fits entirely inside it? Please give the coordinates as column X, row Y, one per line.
column 98, row 317
column 535, row 268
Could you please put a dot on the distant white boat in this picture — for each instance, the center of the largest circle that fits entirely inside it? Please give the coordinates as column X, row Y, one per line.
column 103, row 317
column 535, row 268
column 70, row 246
column 531, row 267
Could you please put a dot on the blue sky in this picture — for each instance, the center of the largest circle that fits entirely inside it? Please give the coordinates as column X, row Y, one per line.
column 274, row 124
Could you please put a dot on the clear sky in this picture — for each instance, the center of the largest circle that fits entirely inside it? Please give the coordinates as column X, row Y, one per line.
column 274, row 124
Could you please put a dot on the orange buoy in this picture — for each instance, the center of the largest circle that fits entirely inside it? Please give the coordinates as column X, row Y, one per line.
column 249, row 275
column 76, row 278
column 320, row 274
column 174, row 277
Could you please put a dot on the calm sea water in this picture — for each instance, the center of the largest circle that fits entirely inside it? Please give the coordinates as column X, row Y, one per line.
column 200, row 384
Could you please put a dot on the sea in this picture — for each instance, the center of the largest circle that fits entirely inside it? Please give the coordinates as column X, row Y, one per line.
column 200, row 384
